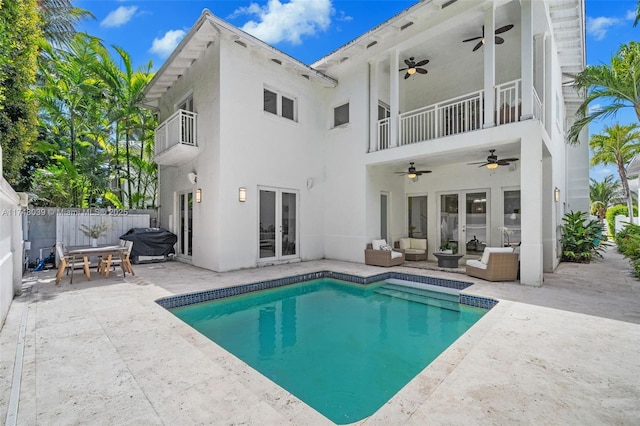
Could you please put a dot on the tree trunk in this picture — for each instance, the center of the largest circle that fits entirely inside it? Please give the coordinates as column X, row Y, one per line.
column 128, row 158
column 625, row 188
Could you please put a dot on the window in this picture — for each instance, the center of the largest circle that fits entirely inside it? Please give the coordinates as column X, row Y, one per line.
column 383, row 111
column 511, row 217
column 278, row 104
column 186, row 104
column 341, row 115
column 417, row 216
column 270, row 101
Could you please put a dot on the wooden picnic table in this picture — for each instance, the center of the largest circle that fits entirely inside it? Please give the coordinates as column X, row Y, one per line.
column 105, row 253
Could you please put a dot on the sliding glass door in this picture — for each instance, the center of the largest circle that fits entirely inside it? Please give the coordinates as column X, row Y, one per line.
column 184, row 216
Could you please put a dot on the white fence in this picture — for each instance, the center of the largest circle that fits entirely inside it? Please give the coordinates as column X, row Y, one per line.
column 69, row 226
column 11, row 216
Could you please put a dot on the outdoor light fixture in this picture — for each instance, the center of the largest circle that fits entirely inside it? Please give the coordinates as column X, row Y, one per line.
column 556, row 194
column 492, row 166
column 242, row 194
column 198, row 195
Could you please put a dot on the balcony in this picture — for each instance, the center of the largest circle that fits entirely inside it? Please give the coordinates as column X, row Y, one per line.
column 454, row 116
column 175, row 139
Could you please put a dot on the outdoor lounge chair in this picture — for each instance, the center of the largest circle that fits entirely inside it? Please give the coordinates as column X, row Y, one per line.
column 496, row 264
column 380, row 257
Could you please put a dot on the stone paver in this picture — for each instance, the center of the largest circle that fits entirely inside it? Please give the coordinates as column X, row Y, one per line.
column 103, row 352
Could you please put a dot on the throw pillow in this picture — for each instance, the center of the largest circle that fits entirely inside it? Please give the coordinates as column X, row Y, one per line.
column 377, row 244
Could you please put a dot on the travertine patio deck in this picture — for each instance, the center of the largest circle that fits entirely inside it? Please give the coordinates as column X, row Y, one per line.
column 103, row 352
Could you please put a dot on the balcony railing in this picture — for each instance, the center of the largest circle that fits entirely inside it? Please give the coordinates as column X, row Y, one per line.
column 454, row 116
column 179, row 129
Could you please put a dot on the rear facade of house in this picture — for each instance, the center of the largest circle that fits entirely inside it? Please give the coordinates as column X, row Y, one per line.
column 265, row 160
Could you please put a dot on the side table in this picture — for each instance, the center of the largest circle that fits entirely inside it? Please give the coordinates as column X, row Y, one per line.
column 446, row 260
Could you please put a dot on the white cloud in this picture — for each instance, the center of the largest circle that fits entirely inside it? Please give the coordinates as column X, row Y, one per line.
column 631, row 15
column 119, row 17
column 594, row 108
column 165, row 45
column 598, row 27
column 277, row 21
column 604, row 171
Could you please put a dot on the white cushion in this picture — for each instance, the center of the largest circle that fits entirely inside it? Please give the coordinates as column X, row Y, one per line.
column 476, row 264
column 488, row 250
column 419, row 243
column 395, row 254
column 414, row 251
column 377, row 244
column 405, row 243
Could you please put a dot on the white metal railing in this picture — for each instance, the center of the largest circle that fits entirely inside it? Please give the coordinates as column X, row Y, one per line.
column 180, row 128
column 383, row 133
column 538, row 111
column 458, row 115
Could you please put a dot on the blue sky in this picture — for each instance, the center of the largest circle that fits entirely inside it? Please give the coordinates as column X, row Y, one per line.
column 310, row 29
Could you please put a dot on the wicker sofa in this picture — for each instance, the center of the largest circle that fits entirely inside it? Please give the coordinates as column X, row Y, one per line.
column 381, row 257
column 414, row 248
column 496, row 264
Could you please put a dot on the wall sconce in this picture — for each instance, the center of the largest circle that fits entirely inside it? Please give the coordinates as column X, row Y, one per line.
column 556, row 194
column 198, row 195
column 242, row 194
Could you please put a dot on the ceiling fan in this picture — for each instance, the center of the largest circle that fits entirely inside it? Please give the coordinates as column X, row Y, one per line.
column 499, row 40
column 493, row 162
column 412, row 173
column 412, row 67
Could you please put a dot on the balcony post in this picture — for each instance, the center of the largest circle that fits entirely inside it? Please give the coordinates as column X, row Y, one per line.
column 394, row 90
column 489, row 66
column 526, row 66
column 373, row 105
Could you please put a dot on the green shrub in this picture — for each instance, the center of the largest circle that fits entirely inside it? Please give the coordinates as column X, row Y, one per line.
column 612, row 212
column 580, row 237
column 636, row 268
column 628, row 241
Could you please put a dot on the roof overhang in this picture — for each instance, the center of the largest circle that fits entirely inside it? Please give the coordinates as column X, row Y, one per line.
column 204, row 32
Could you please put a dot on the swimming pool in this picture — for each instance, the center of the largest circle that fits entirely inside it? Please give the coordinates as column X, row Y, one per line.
column 344, row 349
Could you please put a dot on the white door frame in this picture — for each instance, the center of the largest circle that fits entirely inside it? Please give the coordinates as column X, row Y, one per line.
column 278, row 224
column 462, row 236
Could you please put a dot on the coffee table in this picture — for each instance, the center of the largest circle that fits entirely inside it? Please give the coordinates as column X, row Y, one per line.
column 446, row 260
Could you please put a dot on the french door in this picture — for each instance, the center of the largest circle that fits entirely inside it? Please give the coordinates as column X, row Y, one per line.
column 278, row 239
column 464, row 221
column 184, row 217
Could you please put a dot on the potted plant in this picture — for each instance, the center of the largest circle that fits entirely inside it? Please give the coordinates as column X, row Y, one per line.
column 94, row 231
column 448, row 248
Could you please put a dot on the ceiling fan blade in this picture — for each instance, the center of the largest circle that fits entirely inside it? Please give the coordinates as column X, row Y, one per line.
column 423, row 171
column 509, row 159
column 482, row 165
column 503, row 163
column 422, row 63
column 499, row 40
column 421, row 70
column 407, row 75
column 472, row 39
column 408, row 62
column 478, row 46
column 504, row 29
column 400, row 173
column 477, row 162
column 403, row 69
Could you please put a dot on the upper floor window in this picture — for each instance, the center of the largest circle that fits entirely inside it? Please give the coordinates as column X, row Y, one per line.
column 279, row 104
column 186, row 104
column 341, row 115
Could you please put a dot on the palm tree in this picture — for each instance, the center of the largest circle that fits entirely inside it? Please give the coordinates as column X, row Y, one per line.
column 617, row 84
column 617, row 145
column 635, row 23
column 604, row 194
column 59, row 19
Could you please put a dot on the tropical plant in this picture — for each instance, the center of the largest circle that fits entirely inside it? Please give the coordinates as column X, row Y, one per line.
column 20, row 37
column 617, row 145
column 59, row 19
column 581, row 238
column 96, row 230
column 603, row 194
column 628, row 242
column 614, row 86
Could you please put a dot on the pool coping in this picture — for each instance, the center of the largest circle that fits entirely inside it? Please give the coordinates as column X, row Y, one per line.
column 186, row 299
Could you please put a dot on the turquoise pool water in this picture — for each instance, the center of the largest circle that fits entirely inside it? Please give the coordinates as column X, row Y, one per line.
column 342, row 348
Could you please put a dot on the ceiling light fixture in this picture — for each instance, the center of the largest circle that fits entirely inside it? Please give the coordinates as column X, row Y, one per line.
column 492, row 166
column 412, row 175
column 411, row 71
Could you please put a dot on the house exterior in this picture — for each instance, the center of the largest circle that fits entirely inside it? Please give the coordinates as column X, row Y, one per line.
column 263, row 159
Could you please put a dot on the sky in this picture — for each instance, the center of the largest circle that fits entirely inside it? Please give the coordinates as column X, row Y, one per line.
column 310, row 29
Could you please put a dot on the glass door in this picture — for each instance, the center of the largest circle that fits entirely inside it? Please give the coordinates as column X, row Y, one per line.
column 278, row 238
column 185, row 223
column 465, row 229
column 384, row 216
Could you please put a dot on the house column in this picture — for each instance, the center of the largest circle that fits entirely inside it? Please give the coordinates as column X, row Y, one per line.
column 373, row 105
column 489, row 66
column 394, row 100
column 526, row 62
column 532, row 207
